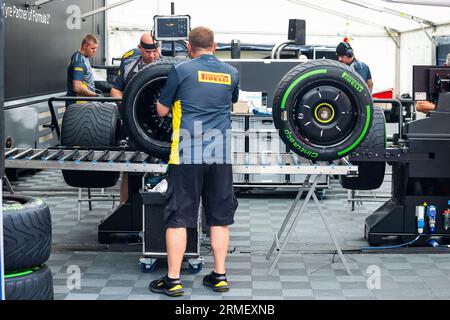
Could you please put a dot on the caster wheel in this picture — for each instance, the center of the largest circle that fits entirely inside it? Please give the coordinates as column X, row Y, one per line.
column 147, row 268
column 194, row 269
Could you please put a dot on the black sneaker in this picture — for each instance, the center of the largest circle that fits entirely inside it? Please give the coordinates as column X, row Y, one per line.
column 170, row 288
column 216, row 282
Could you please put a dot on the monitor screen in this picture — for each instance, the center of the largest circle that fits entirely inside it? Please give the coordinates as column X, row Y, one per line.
column 172, row 28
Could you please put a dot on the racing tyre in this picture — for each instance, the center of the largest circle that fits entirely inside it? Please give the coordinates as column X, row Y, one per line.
column 27, row 230
column 91, row 125
column 370, row 174
column 151, row 133
column 323, row 110
column 32, row 284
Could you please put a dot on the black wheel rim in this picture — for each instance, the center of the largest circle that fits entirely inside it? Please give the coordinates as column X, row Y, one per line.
column 324, row 115
column 146, row 119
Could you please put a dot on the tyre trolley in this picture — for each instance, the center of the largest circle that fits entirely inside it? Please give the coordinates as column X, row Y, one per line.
column 153, row 234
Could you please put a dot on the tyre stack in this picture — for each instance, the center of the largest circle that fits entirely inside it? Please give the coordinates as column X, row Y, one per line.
column 27, row 244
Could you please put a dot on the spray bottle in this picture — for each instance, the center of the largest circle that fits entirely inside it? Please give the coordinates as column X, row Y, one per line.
column 420, row 214
column 446, row 215
column 431, row 214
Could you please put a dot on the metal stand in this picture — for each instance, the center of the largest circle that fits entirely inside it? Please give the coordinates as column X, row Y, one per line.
column 311, row 194
column 94, row 197
column 8, row 184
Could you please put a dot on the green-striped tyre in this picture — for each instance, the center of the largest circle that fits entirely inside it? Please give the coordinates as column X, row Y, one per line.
column 29, row 284
column 323, row 110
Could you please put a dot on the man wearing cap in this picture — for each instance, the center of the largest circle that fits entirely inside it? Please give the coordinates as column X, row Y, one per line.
column 346, row 55
column 427, row 106
column 132, row 62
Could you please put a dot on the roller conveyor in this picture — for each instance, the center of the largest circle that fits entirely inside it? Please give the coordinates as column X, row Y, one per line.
column 136, row 161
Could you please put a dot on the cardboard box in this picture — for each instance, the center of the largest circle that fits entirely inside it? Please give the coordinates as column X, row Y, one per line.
column 240, row 107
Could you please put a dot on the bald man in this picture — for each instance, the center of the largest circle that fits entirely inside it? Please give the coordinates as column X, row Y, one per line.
column 133, row 61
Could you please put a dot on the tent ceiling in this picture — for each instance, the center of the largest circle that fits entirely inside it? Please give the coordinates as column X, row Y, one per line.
column 392, row 15
column 270, row 16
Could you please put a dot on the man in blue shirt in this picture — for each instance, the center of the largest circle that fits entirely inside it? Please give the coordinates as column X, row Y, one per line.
column 133, row 61
column 200, row 93
column 80, row 78
column 346, row 55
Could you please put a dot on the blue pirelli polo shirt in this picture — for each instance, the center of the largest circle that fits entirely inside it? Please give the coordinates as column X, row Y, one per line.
column 200, row 93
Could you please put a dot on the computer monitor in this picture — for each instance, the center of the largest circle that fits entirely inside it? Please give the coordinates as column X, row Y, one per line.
column 429, row 82
column 172, row 28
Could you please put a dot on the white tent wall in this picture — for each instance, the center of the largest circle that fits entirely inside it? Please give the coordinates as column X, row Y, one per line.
column 417, row 49
column 266, row 22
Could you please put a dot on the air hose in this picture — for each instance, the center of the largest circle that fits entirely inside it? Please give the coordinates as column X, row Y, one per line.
column 391, row 247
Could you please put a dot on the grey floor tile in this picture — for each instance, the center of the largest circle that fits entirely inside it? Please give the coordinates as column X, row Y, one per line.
column 266, row 285
column 59, row 296
column 75, row 296
column 112, row 297
column 86, row 290
column 93, row 282
column 143, row 297
column 295, row 285
column 267, row 292
column 328, row 294
column 116, row 290
column 298, row 293
column 301, row 278
column 238, row 292
column 119, row 283
column 204, row 297
column 358, row 293
column 318, row 285
column 353, row 285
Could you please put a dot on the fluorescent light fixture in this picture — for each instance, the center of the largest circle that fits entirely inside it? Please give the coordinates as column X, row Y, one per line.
column 41, row 2
column 438, row 3
column 102, row 9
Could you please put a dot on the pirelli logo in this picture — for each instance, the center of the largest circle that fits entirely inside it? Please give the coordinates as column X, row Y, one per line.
column 211, row 77
column 78, row 69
